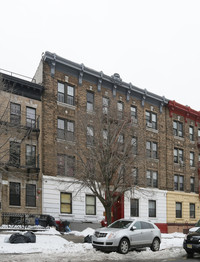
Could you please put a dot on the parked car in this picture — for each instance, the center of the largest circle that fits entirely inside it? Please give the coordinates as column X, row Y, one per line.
column 193, row 229
column 191, row 243
column 126, row 234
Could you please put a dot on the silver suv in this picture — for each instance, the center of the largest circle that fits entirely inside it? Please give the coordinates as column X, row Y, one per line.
column 125, row 234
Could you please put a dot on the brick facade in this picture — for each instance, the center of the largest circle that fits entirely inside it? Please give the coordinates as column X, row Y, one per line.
column 23, row 94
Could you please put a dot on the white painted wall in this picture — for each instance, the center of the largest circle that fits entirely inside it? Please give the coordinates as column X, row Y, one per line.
column 144, row 195
column 52, row 186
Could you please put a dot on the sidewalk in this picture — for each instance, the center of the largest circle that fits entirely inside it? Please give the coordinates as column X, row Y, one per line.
column 73, row 238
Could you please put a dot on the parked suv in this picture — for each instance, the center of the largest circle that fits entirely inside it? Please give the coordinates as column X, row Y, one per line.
column 125, row 234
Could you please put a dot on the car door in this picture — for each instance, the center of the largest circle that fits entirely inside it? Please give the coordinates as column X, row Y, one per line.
column 136, row 234
column 147, row 233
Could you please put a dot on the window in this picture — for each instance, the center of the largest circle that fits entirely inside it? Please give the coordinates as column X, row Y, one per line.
column 30, row 117
column 178, row 210
column 66, row 203
column 105, row 105
column 178, row 128
column 90, row 136
column 146, row 225
column 192, row 210
column 191, row 133
column 105, row 134
column 133, row 114
column 151, row 120
column 192, row 184
column 152, row 208
column 14, row 194
column 90, row 101
column 66, row 93
column 66, row 129
column 151, row 149
column 66, row 165
column 30, row 155
column 14, row 154
column 134, row 207
column 135, row 175
column 90, row 205
column 121, row 138
column 178, row 156
column 178, row 183
column 30, row 195
column 134, row 145
column 192, row 159
column 120, row 109
column 15, row 114
column 152, row 178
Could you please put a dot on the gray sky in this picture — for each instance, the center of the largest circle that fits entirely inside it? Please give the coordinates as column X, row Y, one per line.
column 154, row 44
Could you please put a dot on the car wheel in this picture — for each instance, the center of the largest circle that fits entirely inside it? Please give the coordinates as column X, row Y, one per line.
column 190, row 254
column 155, row 246
column 124, row 246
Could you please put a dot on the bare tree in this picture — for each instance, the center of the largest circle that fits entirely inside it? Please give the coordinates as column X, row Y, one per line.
column 105, row 154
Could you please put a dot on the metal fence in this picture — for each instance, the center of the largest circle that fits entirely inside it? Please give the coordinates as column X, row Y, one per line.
column 20, row 220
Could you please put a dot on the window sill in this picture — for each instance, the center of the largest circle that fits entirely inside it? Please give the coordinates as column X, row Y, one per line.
column 66, row 105
column 179, row 138
column 66, row 215
column 65, row 141
column 152, row 130
column 90, row 216
column 153, row 159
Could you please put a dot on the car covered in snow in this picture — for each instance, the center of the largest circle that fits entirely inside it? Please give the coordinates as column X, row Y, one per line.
column 125, row 234
column 191, row 243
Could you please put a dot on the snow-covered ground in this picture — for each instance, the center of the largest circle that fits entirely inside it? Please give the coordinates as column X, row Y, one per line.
column 50, row 246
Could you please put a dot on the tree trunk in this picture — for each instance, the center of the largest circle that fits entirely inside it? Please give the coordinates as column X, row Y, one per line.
column 108, row 210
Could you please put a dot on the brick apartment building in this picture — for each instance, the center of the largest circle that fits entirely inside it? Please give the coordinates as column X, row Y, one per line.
column 182, row 174
column 69, row 86
column 20, row 139
column 167, row 142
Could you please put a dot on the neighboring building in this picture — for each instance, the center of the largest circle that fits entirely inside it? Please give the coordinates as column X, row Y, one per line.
column 67, row 88
column 20, row 151
column 183, row 156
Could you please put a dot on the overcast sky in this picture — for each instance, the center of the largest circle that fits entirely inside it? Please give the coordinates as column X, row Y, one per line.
column 154, row 44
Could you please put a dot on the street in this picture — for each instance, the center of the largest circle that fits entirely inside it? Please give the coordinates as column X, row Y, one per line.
column 40, row 257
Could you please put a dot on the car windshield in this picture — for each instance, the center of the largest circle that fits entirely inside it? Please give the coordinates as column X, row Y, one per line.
column 121, row 224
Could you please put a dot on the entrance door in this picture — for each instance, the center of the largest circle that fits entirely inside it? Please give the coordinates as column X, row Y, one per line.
column 118, row 209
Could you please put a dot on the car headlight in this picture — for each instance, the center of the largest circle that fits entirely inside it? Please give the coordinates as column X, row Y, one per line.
column 112, row 235
column 185, row 237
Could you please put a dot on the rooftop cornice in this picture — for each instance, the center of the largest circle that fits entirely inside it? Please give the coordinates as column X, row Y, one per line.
column 22, row 82
column 185, row 111
column 115, row 80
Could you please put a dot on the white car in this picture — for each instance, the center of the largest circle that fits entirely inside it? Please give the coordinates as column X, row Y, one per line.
column 126, row 234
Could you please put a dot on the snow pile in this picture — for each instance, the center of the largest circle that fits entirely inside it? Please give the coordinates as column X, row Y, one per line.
column 50, row 244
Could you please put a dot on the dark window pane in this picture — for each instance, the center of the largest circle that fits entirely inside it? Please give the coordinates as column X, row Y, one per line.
column 30, row 195
column 30, row 155
column 152, row 208
column 135, row 207
column 14, row 194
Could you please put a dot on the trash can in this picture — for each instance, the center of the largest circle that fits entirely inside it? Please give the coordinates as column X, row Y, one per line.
column 36, row 221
